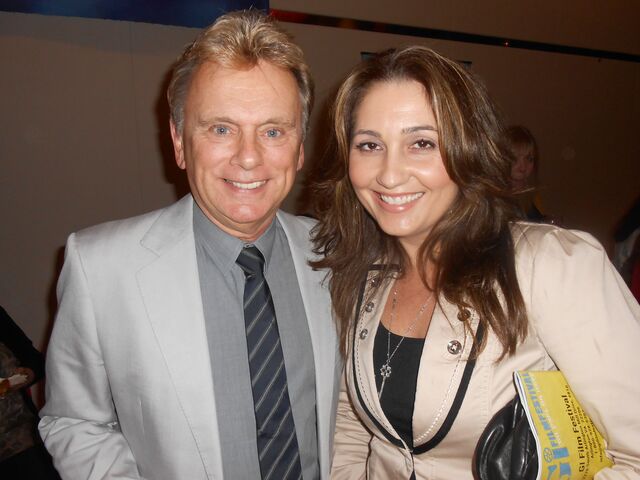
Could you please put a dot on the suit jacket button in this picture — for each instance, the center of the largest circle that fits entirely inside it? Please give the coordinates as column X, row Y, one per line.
column 369, row 307
column 454, row 347
column 363, row 333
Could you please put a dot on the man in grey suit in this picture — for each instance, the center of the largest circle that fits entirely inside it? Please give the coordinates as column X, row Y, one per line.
column 195, row 342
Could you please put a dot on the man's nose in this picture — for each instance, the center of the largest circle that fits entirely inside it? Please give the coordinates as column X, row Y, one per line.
column 248, row 153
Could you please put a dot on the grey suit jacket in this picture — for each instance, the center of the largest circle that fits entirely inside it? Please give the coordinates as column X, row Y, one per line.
column 129, row 384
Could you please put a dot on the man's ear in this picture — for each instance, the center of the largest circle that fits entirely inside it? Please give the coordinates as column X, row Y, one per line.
column 178, row 146
column 300, row 158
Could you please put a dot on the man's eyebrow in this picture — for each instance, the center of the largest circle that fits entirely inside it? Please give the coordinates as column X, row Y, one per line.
column 275, row 121
column 206, row 120
column 280, row 121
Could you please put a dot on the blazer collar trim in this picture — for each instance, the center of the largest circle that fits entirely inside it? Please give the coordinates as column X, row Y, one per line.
column 354, row 362
column 378, row 422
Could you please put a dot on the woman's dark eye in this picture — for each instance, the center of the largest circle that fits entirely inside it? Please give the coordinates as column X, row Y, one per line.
column 367, row 146
column 424, row 144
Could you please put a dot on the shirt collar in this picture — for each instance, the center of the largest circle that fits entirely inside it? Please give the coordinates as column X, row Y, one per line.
column 222, row 248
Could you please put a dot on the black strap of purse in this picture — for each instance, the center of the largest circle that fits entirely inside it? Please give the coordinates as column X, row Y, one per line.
column 457, row 401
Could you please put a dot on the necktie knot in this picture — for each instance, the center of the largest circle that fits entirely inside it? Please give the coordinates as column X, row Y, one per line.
column 251, row 261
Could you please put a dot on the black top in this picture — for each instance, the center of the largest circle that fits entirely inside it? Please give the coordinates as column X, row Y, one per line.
column 399, row 394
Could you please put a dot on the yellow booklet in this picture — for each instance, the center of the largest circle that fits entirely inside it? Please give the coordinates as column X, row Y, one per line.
column 569, row 445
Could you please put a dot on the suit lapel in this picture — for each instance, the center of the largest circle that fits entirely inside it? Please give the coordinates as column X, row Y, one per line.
column 317, row 306
column 170, row 288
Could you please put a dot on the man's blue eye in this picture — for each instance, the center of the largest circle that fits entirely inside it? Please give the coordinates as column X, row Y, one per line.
column 221, row 130
column 272, row 132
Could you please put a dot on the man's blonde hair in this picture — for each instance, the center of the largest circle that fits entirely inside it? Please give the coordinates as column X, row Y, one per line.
column 239, row 40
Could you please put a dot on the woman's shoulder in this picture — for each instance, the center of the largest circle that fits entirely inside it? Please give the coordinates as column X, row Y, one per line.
column 548, row 256
column 532, row 239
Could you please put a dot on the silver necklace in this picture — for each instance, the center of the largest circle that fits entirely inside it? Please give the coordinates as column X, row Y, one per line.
column 385, row 369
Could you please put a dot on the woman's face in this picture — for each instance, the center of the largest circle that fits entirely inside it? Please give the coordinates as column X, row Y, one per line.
column 522, row 167
column 395, row 164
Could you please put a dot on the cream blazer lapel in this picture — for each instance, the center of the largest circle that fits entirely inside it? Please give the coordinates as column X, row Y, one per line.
column 440, row 373
column 170, row 288
column 317, row 304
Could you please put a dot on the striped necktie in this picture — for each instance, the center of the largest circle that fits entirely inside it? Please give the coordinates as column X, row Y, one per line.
column 276, row 435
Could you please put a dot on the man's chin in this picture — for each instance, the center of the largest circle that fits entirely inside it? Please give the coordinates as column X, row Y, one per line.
column 248, row 227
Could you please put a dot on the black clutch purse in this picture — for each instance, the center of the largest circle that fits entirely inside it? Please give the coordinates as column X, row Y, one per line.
column 506, row 449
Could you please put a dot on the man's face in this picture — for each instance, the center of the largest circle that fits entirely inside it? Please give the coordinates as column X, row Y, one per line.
column 241, row 144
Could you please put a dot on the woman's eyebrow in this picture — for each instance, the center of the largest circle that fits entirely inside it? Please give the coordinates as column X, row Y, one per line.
column 366, row 132
column 419, row 128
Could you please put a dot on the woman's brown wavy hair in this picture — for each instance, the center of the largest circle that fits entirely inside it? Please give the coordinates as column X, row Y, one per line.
column 470, row 247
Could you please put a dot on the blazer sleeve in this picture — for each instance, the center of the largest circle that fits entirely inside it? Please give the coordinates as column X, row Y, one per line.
column 589, row 323
column 79, row 423
column 351, row 441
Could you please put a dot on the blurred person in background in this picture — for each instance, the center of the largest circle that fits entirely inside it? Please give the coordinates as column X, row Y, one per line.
column 524, row 171
column 626, row 252
column 22, row 454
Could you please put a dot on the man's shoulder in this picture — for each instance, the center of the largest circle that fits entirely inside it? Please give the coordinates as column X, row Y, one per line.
column 132, row 228
column 296, row 224
column 119, row 226
column 298, row 230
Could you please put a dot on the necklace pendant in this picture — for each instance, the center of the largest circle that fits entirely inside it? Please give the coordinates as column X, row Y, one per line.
column 385, row 371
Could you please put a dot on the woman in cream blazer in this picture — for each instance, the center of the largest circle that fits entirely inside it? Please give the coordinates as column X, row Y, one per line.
column 583, row 321
column 441, row 292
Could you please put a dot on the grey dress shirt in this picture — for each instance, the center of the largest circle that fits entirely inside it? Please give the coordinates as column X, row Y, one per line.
column 222, row 289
